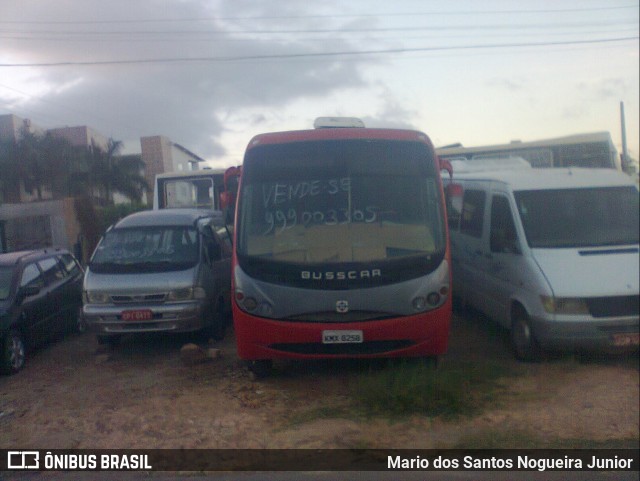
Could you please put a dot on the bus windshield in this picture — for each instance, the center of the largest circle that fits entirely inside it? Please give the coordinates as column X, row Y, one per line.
column 590, row 217
column 343, row 201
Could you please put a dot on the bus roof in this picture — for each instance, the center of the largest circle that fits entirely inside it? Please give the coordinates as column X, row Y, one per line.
column 548, row 179
column 191, row 173
column 515, row 145
column 343, row 133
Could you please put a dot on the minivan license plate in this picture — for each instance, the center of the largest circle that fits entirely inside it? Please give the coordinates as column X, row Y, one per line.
column 341, row 337
column 139, row 315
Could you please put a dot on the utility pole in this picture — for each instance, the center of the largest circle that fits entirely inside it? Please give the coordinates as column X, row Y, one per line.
column 625, row 153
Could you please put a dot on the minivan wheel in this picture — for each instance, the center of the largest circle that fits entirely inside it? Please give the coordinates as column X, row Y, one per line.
column 13, row 353
column 81, row 324
column 524, row 343
column 108, row 339
column 218, row 327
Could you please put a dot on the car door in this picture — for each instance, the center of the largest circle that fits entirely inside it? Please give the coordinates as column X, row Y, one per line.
column 471, row 245
column 218, row 251
column 33, row 304
column 54, row 283
column 71, row 289
column 504, row 262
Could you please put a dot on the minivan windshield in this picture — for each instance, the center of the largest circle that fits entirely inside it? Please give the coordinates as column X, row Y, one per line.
column 5, row 282
column 147, row 249
column 587, row 217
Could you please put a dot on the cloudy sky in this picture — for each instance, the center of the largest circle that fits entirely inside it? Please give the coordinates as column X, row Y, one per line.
column 210, row 74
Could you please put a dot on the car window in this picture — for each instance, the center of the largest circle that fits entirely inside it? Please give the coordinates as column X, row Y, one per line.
column 31, row 277
column 69, row 264
column 472, row 216
column 51, row 270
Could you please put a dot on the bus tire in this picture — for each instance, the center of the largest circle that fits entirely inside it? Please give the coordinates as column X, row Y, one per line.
column 260, row 368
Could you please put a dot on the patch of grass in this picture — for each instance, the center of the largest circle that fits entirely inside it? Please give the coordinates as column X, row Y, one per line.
column 498, row 439
column 413, row 387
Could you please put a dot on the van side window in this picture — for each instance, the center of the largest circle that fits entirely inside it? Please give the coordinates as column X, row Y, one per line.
column 503, row 236
column 472, row 217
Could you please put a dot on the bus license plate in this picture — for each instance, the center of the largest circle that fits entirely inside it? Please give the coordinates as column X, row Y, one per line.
column 139, row 315
column 341, row 337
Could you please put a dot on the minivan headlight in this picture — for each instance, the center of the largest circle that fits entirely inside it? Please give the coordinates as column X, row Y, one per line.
column 186, row 294
column 564, row 305
column 96, row 297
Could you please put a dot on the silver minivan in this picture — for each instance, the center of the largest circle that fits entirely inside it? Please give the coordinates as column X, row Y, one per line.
column 160, row 271
column 551, row 254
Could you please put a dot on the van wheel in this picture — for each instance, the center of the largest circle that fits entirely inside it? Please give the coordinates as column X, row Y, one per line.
column 260, row 368
column 524, row 343
column 13, row 353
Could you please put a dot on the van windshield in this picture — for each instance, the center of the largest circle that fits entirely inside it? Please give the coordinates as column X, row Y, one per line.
column 147, row 249
column 579, row 217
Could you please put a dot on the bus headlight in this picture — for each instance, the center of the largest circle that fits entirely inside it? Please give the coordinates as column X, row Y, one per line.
column 564, row 305
column 419, row 303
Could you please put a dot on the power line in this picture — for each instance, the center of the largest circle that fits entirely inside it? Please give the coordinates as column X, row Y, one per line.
column 546, row 26
column 298, row 17
column 310, row 55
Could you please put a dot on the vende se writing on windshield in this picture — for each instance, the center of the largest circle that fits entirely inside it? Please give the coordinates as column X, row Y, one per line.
column 281, row 200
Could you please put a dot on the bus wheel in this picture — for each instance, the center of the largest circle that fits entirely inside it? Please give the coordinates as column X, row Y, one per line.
column 431, row 362
column 261, row 368
column 524, row 343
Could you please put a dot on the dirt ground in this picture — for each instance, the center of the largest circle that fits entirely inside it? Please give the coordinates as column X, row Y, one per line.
column 73, row 394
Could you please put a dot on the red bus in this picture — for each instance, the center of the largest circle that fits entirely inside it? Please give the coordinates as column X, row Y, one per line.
column 341, row 246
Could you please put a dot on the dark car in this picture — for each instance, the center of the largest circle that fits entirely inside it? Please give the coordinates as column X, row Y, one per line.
column 40, row 296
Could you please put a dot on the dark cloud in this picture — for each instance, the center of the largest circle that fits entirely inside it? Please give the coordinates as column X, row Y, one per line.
column 184, row 100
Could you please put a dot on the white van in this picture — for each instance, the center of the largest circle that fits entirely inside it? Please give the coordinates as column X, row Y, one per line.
column 551, row 254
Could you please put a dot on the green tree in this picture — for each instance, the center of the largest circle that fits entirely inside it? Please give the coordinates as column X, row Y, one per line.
column 9, row 180
column 111, row 173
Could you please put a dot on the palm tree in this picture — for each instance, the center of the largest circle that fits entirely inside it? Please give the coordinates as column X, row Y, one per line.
column 110, row 172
